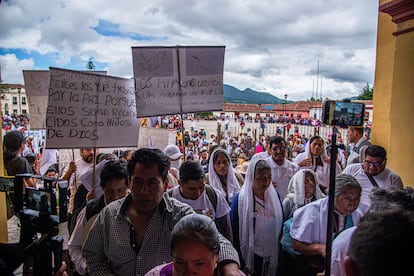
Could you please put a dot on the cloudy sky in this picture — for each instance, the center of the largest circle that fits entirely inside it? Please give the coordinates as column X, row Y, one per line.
column 271, row 45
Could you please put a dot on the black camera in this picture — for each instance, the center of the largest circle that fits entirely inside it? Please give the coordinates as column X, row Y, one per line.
column 343, row 113
column 40, row 211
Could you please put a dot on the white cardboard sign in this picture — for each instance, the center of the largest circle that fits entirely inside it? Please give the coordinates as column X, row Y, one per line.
column 36, row 83
column 90, row 110
column 173, row 80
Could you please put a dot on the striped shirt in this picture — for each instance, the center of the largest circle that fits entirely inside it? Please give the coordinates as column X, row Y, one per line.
column 110, row 248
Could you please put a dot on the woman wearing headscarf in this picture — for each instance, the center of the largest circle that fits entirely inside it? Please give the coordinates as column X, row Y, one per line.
column 256, row 216
column 222, row 176
column 316, row 159
column 309, row 226
column 303, row 189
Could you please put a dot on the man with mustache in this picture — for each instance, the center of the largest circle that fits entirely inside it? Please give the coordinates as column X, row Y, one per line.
column 132, row 235
column 75, row 169
column 282, row 169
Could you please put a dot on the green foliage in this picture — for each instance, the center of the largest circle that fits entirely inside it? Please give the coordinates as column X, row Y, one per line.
column 367, row 93
column 90, row 65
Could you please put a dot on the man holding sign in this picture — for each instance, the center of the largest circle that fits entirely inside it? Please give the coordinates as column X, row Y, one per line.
column 72, row 175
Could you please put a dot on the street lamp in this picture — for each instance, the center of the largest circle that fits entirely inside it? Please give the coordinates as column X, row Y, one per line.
column 284, row 117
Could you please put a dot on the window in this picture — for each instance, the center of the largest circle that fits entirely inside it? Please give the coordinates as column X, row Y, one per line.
column 24, row 111
column 14, row 100
column 14, row 111
column 23, row 100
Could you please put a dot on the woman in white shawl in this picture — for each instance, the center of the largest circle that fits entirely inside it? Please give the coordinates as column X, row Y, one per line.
column 256, row 218
column 303, row 189
column 309, row 226
column 316, row 159
column 221, row 174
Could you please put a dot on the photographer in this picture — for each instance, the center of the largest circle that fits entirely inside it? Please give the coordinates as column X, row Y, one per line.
column 13, row 146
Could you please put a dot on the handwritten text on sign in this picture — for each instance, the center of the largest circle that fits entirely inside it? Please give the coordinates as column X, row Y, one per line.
column 36, row 83
column 89, row 110
column 171, row 80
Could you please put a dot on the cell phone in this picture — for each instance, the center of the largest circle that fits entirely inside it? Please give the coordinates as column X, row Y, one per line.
column 343, row 113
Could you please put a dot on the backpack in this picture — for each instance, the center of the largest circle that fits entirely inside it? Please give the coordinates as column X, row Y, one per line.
column 211, row 194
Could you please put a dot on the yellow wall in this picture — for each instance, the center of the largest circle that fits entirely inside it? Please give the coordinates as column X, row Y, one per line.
column 394, row 97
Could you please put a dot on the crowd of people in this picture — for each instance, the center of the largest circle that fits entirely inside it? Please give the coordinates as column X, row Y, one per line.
column 230, row 205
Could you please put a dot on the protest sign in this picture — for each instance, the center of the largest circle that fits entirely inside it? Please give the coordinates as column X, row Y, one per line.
column 90, row 110
column 36, row 83
column 155, row 137
column 172, row 80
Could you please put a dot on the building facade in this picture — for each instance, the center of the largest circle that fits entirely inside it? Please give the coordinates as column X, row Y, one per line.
column 13, row 99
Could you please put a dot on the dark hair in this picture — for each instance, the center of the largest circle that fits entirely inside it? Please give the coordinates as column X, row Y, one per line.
column 191, row 170
column 13, row 141
column 30, row 157
column 376, row 151
column 276, row 140
column 360, row 130
column 108, row 156
column 211, row 150
column 382, row 199
column 51, row 169
column 217, row 152
column 114, row 169
column 147, row 157
column 313, row 138
column 196, row 227
column 125, row 153
column 381, row 241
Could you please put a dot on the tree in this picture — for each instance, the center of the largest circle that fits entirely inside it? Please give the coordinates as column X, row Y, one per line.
column 367, row 93
column 90, row 65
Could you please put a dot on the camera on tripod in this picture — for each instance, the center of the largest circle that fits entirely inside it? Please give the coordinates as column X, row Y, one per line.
column 40, row 210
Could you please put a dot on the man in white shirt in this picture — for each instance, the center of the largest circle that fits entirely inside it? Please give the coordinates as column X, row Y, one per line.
column 203, row 198
column 73, row 173
column 282, row 168
column 373, row 173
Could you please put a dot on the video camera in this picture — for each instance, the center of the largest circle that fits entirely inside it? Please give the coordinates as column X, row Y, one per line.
column 343, row 113
column 40, row 210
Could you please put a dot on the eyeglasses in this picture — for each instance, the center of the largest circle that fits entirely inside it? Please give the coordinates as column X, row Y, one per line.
column 374, row 164
column 282, row 148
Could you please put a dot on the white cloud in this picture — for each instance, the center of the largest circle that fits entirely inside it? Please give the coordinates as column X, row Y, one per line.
column 11, row 67
column 271, row 45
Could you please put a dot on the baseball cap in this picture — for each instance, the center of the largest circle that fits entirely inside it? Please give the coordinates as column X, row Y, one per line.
column 173, row 152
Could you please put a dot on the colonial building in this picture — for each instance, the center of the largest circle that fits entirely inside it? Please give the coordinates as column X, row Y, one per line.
column 13, row 99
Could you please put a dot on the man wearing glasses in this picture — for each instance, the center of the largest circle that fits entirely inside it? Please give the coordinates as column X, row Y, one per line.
column 282, row 168
column 372, row 173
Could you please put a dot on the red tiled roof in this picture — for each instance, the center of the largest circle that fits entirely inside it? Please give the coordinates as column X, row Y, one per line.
column 301, row 106
column 304, row 106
